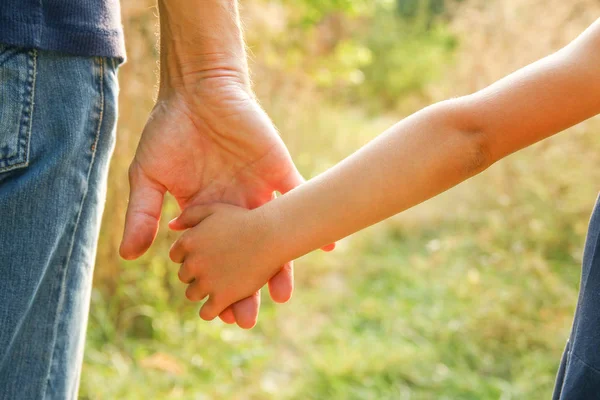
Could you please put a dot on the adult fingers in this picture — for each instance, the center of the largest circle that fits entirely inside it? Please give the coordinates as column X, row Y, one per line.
column 291, row 181
column 246, row 311
column 228, row 316
column 281, row 285
column 329, row 247
column 143, row 214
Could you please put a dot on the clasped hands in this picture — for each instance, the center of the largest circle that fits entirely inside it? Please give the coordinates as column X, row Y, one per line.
column 209, row 144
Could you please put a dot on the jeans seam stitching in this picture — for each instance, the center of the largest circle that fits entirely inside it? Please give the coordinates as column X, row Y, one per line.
column 30, row 101
column 61, row 300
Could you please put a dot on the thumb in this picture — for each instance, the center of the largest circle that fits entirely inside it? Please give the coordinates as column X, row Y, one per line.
column 143, row 214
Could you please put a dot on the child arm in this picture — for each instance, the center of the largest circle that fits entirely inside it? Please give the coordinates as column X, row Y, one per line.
column 233, row 252
column 441, row 146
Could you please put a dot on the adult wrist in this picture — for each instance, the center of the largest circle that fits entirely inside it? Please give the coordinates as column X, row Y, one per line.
column 202, row 74
column 201, row 40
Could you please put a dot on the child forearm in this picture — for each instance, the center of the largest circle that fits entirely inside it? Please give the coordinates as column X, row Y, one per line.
column 439, row 147
column 414, row 160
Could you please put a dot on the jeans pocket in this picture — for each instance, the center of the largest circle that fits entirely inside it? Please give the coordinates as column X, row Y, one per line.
column 17, row 87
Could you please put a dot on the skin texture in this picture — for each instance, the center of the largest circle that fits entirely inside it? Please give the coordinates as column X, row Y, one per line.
column 207, row 140
column 230, row 252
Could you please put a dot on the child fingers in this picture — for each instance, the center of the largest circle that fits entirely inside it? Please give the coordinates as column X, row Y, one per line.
column 210, row 309
column 191, row 217
column 177, row 253
column 182, row 246
column 185, row 274
column 196, row 291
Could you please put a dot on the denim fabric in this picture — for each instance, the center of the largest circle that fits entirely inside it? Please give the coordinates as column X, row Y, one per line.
column 57, row 133
column 579, row 373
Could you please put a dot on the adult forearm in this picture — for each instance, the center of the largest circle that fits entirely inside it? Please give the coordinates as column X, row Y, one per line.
column 413, row 161
column 200, row 39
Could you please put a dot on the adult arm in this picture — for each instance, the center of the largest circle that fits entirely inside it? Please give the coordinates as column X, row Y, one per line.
column 207, row 140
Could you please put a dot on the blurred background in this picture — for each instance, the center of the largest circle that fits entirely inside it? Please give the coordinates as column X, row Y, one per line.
column 468, row 296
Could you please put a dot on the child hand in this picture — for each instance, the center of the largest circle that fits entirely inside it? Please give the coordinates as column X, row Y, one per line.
column 227, row 254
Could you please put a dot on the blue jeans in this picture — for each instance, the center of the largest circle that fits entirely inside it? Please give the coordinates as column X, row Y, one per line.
column 57, row 133
column 579, row 372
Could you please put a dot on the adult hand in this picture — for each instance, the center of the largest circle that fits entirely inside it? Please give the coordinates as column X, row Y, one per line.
column 207, row 140
column 212, row 144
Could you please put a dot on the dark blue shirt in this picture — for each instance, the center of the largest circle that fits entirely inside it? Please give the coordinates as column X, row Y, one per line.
column 80, row 27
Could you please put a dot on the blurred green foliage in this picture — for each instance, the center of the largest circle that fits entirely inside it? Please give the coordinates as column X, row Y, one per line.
column 405, row 59
column 311, row 12
column 371, row 52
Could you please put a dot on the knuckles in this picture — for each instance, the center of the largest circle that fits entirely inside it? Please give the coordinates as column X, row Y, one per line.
column 181, row 276
column 173, row 253
column 184, row 243
column 182, row 247
column 196, row 291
